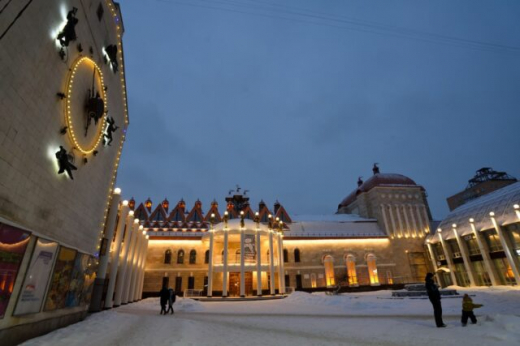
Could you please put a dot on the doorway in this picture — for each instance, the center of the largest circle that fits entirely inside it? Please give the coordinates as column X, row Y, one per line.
column 234, row 284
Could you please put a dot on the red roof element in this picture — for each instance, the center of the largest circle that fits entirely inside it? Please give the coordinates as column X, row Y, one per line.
column 282, row 214
column 380, row 179
column 141, row 212
column 213, row 210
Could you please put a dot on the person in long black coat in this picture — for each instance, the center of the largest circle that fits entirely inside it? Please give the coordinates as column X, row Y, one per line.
column 164, row 295
column 171, row 300
column 435, row 299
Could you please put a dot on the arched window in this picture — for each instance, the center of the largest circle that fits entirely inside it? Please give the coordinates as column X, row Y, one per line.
column 168, row 256
column 313, row 280
column 285, row 255
column 328, row 262
column 206, row 257
column 351, row 270
column 372, row 270
column 193, row 257
column 180, row 257
column 297, row 255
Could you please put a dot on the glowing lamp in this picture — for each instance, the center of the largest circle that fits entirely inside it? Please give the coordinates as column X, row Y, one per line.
column 144, row 232
column 136, row 221
column 516, row 206
column 439, row 230
column 131, row 213
column 117, row 191
column 125, row 203
column 471, row 220
column 454, row 225
column 492, row 214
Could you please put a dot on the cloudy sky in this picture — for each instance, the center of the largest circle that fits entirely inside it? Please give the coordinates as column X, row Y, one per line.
column 294, row 99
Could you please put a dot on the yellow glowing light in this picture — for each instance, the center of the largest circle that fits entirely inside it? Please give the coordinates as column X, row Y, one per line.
column 117, row 191
column 125, row 202
column 70, row 83
column 516, row 206
column 301, row 242
column 174, row 241
column 492, row 214
column 471, row 220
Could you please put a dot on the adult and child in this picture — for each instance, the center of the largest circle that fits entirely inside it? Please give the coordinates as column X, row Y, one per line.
column 167, row 296
column 435, row 298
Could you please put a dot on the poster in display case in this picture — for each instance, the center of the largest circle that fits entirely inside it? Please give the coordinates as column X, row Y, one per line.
column 13, row 243
column 36, row 278
column 61, row 279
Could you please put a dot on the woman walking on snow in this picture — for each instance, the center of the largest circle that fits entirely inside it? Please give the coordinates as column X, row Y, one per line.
column 467, row 310
column 435, row 299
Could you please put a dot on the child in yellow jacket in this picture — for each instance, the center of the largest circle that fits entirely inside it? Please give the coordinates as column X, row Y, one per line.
column 467, row 310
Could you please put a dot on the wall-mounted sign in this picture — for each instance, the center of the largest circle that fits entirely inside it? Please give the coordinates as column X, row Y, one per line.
column 37, row 277
column 13, row 242
column 249, row 247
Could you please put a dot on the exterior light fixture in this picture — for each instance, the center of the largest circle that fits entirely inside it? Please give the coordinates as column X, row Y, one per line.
column 471, row 220
column 454, row 225
column 125, row 202
column 516, row 206
column 492, row 213
column 439, row 230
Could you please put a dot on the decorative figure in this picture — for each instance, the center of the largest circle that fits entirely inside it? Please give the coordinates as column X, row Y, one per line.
column 95, row 109
column 375, row 169
column 68, row 33
column 359, row 182
column 64, row 162
column 111, row 51
column 111, row 128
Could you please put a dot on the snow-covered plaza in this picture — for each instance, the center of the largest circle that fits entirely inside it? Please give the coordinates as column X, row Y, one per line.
column 372, row 318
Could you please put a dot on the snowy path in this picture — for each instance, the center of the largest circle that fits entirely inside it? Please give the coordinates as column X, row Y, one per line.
column 300, row 320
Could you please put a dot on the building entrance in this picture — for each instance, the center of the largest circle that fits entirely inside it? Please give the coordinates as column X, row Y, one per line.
column 234, row 284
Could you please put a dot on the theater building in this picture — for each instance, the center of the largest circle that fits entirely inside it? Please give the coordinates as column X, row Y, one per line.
column 376, row 239
column 63, row 116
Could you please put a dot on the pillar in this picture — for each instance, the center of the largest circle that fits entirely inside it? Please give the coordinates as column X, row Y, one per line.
column 258, row 264
column 125, row 220
column 271, row 262
column 484, row 251
column 143, row 268
column 401, row 232
column 225, row 266
column 135, row 266
column 210, row 264
column 426, row 219
column 432, row 255
column 281, row 264
column 465, row 257
column 506, row 247
column 385, row 220
column 408, row 232
column 449, row 259
column 135, row 294
column 416, row 231
column 129, row 259
column 394, row 229
column 130, row 230
column 420, row 219
column 242, row 265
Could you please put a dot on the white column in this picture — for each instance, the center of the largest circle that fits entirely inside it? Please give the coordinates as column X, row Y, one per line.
column 143, row 267
column 242, row 266
column 139, row 267
column 385, row 220
column 129, row 266
column 258, row 264
column 465, row 257
column 394, row 229
column 281, row 272
column 225, row 266
column 210, row 264
column 484, row 251
column 271, row 262
column 416, row 230
column 449, row 259
column 135, row 266
column 426, row 219
column 506, row 248
column 408, row 232
column 420, row 219
column 401, row 231
column 124, row 220
column 109, row 235
column 432, row 255
column 121, row 278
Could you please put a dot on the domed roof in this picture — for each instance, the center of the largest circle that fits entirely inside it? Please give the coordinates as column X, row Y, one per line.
column 378, row 179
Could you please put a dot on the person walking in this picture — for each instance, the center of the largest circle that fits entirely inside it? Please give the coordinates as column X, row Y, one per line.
column 467, row 310
column 164, row 295
column 171, row 300
column 435, row 298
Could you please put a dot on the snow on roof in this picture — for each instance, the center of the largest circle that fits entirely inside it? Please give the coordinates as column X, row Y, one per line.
column 500, row 202
column 335, row 226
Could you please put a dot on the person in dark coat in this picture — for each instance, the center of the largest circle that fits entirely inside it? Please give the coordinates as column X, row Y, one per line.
column 435, row 299
column 164, row 297
column 171, row 300
column 467, row 310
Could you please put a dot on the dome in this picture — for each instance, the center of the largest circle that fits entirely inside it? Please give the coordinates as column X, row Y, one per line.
column 379, row 179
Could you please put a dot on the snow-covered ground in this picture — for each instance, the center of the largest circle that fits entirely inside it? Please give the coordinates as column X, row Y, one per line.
column 371, row 318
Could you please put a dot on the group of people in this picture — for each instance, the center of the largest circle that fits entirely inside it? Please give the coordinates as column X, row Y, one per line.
column 435, row 298
column 167, row 296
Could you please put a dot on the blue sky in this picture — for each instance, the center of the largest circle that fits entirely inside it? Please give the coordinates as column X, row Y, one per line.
column 293, row 100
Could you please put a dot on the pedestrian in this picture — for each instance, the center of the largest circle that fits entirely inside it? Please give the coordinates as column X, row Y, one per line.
column 435, row 299
column 171, row 300
column 467, row 310
column 164, row 295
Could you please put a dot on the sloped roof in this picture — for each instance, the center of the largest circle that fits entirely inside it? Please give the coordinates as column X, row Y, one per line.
column 333, row 226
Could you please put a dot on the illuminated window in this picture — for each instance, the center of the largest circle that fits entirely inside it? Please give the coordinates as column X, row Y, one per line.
column 351, row 271
column 297, row 255
column 168, row 256
column 193, row 257
column 372, row 269
column 389, row 277
column 180, row 257
column 313, row 280
column 328, row 262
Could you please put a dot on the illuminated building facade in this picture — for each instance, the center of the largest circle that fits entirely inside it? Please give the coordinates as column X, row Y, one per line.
column 375, row 239
column 63, row 112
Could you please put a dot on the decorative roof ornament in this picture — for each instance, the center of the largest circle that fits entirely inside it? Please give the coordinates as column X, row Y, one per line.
column 359, row 181
column 375, row 169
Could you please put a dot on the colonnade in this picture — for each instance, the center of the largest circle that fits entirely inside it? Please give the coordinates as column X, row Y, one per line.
column 405, row 220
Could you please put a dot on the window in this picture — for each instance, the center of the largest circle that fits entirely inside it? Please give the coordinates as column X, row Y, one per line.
column 328, row 262
column 493, row 241
column 178, row 284
column 193, row 257
column 206, row 257
column 313, row 280
column 372, row 270
column 168, row 256
column 180, row 257
column 285, row 256
column 297, row 255
column 351, row 271
column 191, row 283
